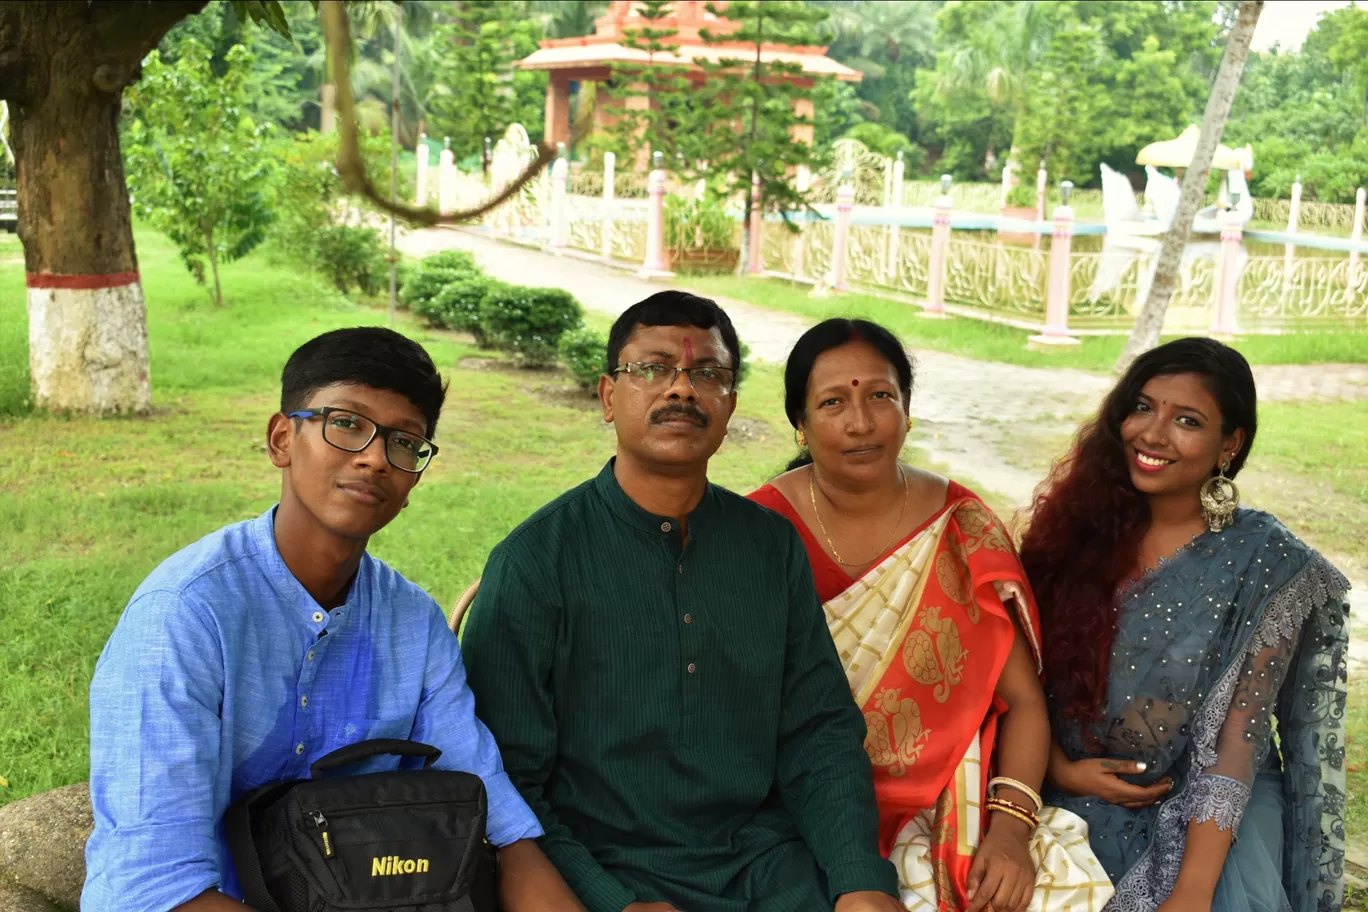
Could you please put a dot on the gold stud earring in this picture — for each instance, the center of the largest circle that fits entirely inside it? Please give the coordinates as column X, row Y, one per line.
column 800, row 438
column 909, row 422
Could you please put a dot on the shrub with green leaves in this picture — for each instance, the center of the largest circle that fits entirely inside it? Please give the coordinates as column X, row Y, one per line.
column 457, row 306
column 432, row 275
column 529, row 321
column 585, row 354
column 744, row 371
column 354, row 256
column 459, row 260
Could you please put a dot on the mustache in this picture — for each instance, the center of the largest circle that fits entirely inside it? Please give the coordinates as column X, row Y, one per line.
column 682, row 410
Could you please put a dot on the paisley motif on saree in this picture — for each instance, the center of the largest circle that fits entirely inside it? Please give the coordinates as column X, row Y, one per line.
column 923, row 637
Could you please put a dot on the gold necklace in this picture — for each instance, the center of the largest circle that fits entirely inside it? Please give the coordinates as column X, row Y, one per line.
column 812, row 494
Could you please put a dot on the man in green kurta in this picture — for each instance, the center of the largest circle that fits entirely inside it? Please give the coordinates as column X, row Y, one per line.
column 650, row 654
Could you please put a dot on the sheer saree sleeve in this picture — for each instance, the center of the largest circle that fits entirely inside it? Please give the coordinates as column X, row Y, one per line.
column 1221, row 790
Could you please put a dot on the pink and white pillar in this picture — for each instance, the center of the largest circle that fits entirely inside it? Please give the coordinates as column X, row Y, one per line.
column 1056, row 331
column 940, row 251
column 845, row 204
column 1224, row 321
column 655, row 266
column 1290, row 250
column 755, row 263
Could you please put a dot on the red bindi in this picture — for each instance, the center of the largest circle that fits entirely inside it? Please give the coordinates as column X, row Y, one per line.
column 688, row 350
column 854, row 382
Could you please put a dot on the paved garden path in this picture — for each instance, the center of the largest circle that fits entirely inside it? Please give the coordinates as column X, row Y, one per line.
column 996, row 424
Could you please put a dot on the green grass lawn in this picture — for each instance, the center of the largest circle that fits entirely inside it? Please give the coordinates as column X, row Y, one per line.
column 88, row 508
column 996, row 342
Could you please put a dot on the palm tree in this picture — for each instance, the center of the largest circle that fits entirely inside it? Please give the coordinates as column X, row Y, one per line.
column 567, row 18
column 874, row 27
column 1002, row 55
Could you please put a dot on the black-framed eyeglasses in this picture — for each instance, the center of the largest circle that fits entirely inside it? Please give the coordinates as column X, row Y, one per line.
column 708, row 380
column 353, row 432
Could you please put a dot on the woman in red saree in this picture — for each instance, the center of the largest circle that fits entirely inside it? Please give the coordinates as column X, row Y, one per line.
column 933, row 619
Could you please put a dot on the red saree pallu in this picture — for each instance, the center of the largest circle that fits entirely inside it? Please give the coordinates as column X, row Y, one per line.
column 923, row 636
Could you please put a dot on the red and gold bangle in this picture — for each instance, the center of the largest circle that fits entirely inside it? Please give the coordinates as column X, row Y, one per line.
column 1013, row 810
column 998, row 782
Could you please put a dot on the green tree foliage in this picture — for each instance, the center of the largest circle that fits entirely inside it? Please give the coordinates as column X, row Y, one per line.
column 659, row 83
column 197, row 166
column 483, row 93
column 743, row 118
column 1058, row 123
column 1304, row 113
column 1093, row 80
column 886, row 42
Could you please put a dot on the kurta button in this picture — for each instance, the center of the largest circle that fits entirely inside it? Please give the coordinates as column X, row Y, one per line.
column 299, row 748
column 304, row 701
column 665, row 527
column 318, row 617
column 692, row 668
column 688, row 619
column 310, row 655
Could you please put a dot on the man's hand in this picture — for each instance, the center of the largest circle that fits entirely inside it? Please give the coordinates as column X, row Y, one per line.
column 868, row 901
column 1002, row 875
column 529, row 882
column 1102, row 779
column 650, row 907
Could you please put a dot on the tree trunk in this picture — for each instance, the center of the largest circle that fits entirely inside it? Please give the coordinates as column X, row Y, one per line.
column 217, row 294
column 1150, row 322
column 63, row 70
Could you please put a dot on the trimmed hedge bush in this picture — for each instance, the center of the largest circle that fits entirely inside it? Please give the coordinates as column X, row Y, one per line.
column 529, row 321
column 585, row 354
column 433, row 274
column 457, row 306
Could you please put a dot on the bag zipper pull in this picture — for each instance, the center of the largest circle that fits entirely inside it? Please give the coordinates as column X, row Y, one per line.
column 320, row 821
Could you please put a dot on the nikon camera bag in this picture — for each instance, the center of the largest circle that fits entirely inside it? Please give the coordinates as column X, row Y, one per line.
column 405, row 840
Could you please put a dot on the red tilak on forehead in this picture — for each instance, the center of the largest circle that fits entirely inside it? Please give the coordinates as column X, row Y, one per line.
column 854, row 382
column 688, row 349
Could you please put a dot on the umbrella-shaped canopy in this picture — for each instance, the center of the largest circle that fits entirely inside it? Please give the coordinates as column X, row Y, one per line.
column 1177, row 153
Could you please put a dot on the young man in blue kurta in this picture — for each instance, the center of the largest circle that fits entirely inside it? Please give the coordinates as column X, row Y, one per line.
column 271, row 642
column 650, row 653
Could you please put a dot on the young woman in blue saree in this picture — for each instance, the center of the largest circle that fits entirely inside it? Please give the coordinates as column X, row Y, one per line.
column 1194, row 653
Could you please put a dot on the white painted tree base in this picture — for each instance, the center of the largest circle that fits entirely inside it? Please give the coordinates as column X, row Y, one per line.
column 88, row 349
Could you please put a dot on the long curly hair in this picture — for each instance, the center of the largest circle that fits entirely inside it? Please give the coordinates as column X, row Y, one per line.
column 1088, row 520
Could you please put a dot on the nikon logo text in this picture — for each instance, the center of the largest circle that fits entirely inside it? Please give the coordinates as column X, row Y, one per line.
column 393, row 864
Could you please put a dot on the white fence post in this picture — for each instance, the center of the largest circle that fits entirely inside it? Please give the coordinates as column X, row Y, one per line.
column 1356, row 236
column 446, row 179
column 894, row 231
column 940, row 251
column 609, row 192
column 840, row 252
column 423, row 153
column 1289, row 249
column 560, row 177
column 1224, row 320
